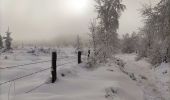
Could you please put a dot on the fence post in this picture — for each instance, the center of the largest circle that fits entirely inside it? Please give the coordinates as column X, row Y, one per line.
column 88, row 53
column 79, row 57
column 53, row 67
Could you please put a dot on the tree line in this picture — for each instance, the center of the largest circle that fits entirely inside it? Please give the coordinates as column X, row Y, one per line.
column 153, row 39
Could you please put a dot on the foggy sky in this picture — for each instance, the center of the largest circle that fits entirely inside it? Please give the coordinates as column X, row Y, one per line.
column 49, row 19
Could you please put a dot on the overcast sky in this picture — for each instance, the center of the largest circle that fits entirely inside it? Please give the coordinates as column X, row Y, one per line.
column 48, row 19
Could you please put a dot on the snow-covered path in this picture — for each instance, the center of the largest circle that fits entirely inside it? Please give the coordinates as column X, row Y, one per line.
column 145, row 77
column 137, row 67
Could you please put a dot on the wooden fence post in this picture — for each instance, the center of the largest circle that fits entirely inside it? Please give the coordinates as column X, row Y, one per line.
column 79, row 57
column 88, row 53
column 53, row 67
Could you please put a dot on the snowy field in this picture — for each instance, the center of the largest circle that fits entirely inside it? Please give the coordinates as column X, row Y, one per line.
column 123, row 79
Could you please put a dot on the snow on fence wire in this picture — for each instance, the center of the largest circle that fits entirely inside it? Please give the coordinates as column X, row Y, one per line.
column 54, row 59
column 24, row 76
column 24, row 64
column 46, row 82
column 53, row 69
column 9, row 67
column 33, row 73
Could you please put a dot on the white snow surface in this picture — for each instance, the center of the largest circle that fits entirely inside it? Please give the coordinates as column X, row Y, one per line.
column 155, row 82
column 106, row 82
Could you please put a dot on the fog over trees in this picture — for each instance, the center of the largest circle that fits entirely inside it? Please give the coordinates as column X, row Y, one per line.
column 65, row 54
column 151, row 41
column 154, row 37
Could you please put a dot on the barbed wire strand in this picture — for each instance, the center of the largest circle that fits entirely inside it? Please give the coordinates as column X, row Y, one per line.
column 30, row 63
column 25, row 64
column 24, row 76
column 35, row 87
column 32, row 73
column 44, row 82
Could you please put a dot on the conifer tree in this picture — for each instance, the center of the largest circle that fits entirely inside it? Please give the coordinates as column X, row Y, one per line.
column 8, row 40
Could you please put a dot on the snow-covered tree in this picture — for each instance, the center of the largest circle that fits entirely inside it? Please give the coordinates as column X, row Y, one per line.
column 1, row 42
column 156, row 32
column 163, row 11
column 94, row 39
column 109, row 12
column 8, row 40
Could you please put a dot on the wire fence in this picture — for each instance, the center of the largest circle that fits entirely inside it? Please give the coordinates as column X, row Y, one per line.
column 25, row 64
column 73, row 59
column 35, row 87
column 46, row 82
column 24, row 76
column 33, row 73
column 32, row 63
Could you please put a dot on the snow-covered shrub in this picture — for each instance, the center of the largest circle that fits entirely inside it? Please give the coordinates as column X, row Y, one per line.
column 67, row 71
column 44, row 50
column 39, row 51
column 155, row 55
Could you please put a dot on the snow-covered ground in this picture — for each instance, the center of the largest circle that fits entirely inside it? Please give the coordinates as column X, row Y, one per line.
column 76, row 82
column 154, row 82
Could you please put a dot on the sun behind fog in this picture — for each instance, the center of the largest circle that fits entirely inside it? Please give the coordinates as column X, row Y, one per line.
column 77, row 6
